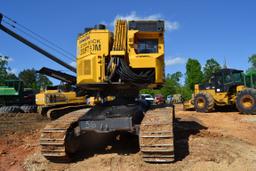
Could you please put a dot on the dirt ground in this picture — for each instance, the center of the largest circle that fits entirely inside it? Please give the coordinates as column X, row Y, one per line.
column 203, row 141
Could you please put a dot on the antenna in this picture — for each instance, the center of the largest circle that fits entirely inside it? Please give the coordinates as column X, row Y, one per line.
column 225, row 63
column 1, row 17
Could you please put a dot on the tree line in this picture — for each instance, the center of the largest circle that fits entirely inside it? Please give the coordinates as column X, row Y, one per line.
column 195, row 74
column 30, row 77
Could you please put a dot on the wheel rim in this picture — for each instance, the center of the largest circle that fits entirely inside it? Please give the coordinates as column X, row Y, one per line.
column 201, row 103
column 247, row 102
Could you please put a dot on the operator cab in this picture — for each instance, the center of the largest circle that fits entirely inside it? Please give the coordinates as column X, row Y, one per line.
column 148, row 36
column 224, row 80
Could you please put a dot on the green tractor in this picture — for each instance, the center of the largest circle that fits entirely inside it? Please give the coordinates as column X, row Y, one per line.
column 14, row 98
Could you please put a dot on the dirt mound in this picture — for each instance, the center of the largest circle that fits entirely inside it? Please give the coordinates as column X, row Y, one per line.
column 206, row 152
column 36, row 162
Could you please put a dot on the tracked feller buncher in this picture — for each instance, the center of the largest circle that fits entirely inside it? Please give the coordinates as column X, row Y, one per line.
column 226, row 88
column 115, row 64
column 56, row 101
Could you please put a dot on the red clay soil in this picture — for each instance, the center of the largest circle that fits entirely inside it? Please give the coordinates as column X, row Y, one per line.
column 19, row 135
column 203, row 141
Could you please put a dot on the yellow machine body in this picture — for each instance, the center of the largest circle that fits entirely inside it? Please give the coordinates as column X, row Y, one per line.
column 223, row 89
column 96, row 47
column 92, row 49
column 221, row 98
column 55, row 97
column 188, row 105
column 145, row 60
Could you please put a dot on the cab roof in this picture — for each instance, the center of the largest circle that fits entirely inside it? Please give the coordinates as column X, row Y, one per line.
column 228, row 70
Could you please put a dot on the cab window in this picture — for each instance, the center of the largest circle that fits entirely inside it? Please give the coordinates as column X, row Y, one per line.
column 237, row 77
column 147, row 46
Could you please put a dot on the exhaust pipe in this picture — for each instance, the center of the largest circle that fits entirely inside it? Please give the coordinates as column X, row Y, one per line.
column 1, row 17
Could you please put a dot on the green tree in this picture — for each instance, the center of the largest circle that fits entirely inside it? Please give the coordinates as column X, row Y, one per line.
column 252, row 60
column 34, row 80
column 11, row 76
column 172, row 85
column 3, row 68
column 28, row 76
column 175, row 76
column 186, row 92
column 147, row 91
column 43, row 81
column 194, row 74
column 210, row 67
column 150, row 91
column 5, row 71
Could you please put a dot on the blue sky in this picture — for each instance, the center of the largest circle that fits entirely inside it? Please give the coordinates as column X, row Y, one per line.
column 198, row 29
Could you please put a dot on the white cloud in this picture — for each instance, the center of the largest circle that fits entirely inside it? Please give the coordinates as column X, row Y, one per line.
column 10, row 59
column 5, row 58
column 169, row 25
column 73, row 63
column 12, row 71
column 175, row 61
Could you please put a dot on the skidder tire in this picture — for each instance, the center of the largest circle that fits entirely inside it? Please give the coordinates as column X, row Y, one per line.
column 246, row 101
column 204, row 102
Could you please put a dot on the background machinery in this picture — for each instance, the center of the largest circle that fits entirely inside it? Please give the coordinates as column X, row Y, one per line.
column 177, row 98
column 225, row 88
column 55, row 101
column 59, row 100
column 115, row 64
column 14, row 98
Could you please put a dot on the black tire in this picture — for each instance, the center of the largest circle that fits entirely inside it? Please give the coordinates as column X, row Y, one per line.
column 28, row 108
column 204, row 102
column 246, row 101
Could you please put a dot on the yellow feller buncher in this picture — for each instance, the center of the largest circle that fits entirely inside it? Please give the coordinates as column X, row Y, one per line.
column 55, row 101
column 118, row 65
column 225, row 88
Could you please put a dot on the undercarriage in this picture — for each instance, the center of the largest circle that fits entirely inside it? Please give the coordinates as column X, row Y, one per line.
column 60, row 139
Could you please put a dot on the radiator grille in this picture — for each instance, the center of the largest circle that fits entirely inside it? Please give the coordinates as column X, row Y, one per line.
column 87, row 67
